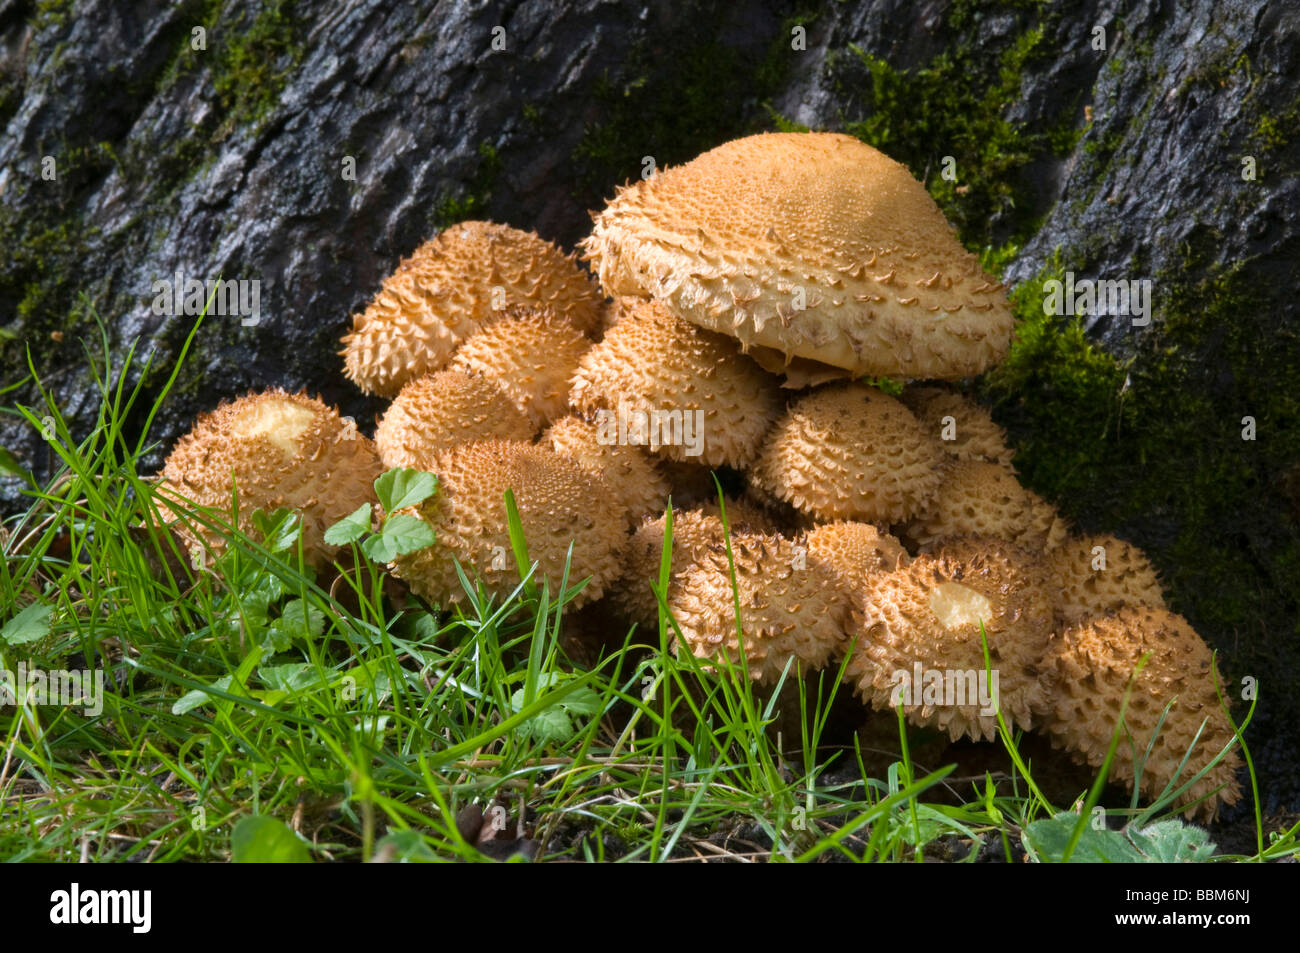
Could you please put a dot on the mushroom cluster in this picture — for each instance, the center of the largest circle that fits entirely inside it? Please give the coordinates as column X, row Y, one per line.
column 745, row 304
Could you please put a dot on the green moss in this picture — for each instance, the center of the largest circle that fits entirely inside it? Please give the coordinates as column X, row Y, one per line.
column 1273, row 133
column 954, row 106
column 43, row 271
column 532, row 116
column 1152, row 448
column 1066, row 394
column 1217, row 70
column 886, row 385
column 247, row 61
column 253, row 61
column 55, row 13
column 473, row 202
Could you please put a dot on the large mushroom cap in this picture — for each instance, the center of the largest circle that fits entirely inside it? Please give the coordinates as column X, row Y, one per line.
column 695, row 386
column 1103, row 573
column 279, row 450
column 441, row 410
column 977, row 497
column 965, row 429
column 790, row 606
column 1091, row 665
column 848, row 451
column 532, row 354
column 449, row 288
column 918, row 628
column 814, row 244
column 560, row 502
column 630, row 471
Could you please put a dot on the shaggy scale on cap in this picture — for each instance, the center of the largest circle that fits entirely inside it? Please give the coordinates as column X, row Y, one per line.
column 444, row 293
column 559, row 500
column 974, row 434
column 630, row 471
column 855, row 551
column 531, row 354
column 981, row 498
column 441, row 410
column 654, row 362
column 928, row 614
column 279, row 449
column 814, row 244
column 1094, row 574
column 790, row 606
column 1091, row 665
column 848, row 451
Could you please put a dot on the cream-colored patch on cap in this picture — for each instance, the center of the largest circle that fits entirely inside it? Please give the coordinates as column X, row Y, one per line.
column 281, row 422
column 955, row 605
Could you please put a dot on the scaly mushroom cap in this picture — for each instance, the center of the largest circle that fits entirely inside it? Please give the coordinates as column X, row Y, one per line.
column 855, row 551
column 531, row 354
column 444, row 293
column 981, row 498
column 790, row 606
column 630, row 471
column 1095, row 574
column 279, row 449
column 927, row 614
column 651, row 361
column 559, row 500
column 1090, row 666
column 695, row 532
column 814, row 244
column 974, row 435
column 441, row 410
column 848, row 451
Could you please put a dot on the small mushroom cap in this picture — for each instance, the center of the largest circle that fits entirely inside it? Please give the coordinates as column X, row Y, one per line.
column 977, row 497
column 531, row 354
column 855, row 551
column 630, row 471
column 814, row 244
column 928, row 613
column 1089, row 668
column 848, row 451
column 441, row 410
column 279, row 450
column 790, row 606
column 448, row 289
column 1102, row 573
column 974, row 435
column 699, row 382
column 560, row 502
column 695, row 532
